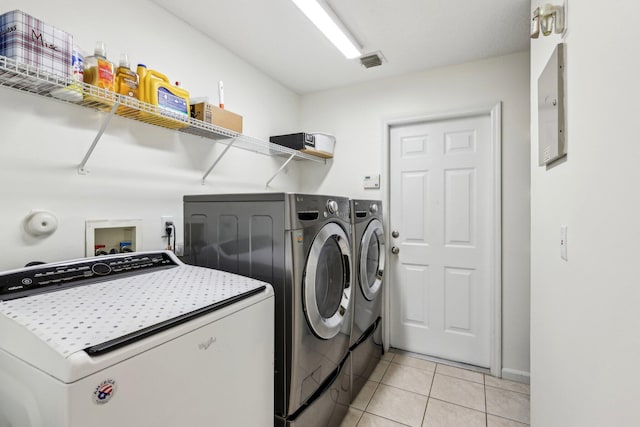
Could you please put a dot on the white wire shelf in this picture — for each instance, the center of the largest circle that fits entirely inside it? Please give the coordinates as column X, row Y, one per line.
column 26, row 78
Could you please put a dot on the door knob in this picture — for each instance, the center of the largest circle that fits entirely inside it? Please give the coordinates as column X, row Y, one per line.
column 395, row 250
column 394, row 234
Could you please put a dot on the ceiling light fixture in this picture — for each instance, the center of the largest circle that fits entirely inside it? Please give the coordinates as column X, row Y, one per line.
column 329, row 24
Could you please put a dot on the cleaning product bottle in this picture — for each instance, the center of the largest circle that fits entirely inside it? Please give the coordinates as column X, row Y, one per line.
column 159, row 91
column 126, row 80
column 171, row 101
column 72, row 92
column 142, row 73
column 126, row 84
column 77, row 66
column 99, row 72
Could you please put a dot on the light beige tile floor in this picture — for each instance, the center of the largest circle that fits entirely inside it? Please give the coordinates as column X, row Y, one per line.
column 406, row 390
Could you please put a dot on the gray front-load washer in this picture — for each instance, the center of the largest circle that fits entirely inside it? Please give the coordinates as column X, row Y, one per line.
column 368, row 246
column 299, row 243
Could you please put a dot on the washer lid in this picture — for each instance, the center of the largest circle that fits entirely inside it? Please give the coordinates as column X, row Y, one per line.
column 327, row 281
column 52, row 328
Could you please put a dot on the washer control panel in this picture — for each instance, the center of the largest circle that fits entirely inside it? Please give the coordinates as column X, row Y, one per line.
column 49, row 277
column 332, row 206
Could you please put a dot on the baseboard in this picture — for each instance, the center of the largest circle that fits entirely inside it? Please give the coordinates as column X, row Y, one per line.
column 515, row 375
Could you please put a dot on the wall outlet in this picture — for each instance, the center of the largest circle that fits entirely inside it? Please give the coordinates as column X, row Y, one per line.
column 163, row 224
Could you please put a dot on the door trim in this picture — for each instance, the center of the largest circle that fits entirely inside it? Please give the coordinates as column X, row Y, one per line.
column 495, row 275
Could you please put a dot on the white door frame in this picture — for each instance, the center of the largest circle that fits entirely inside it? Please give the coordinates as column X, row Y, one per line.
column 495, row 274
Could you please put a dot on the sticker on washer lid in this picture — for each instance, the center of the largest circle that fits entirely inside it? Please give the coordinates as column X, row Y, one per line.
column 104, row 391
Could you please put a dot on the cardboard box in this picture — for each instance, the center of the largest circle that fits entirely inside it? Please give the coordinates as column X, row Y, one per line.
column 211, row 114
column 35, row 43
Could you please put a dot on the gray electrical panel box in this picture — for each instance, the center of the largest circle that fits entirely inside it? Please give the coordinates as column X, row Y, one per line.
column 551, row 114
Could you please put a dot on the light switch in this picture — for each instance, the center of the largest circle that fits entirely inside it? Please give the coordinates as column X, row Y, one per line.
column 563, row 242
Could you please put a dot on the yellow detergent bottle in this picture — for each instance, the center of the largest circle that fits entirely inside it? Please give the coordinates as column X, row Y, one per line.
column 126, row 83
column 142, row 72
column 126, row 80
column 158, row 91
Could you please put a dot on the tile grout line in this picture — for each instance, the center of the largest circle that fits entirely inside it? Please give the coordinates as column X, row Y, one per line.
column 460, row 406
column 433, row 377
column 370, row 399
column 486, row 411
column 502, row 416
column 428, row 396
column 385, row 418
column 458, row 378
column 506, row 389
column 434, row 372
column 509, row 419
column 374, row 391
column 457, row 404
column 405, row 390
column 398, row 388
column 450, row 363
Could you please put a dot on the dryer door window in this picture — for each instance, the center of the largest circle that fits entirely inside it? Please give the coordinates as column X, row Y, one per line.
column 327, row 281
column 371, row 263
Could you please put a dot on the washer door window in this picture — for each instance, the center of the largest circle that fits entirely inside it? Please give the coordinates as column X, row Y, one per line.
column 371, row 263
column 327, row 281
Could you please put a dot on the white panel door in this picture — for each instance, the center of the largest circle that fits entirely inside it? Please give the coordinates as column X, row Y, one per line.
column 442, row 209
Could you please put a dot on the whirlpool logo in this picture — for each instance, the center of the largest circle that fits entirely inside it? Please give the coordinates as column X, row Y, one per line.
column 208, row 343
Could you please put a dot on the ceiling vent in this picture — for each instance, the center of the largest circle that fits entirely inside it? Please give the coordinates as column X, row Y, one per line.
column 371, row 60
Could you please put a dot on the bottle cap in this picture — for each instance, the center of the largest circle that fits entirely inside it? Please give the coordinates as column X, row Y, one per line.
column 124, row 60
column 100, row 49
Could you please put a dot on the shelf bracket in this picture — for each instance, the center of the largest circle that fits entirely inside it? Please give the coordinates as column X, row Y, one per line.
column 284, row 165
column 81, row 169
column 206, row 174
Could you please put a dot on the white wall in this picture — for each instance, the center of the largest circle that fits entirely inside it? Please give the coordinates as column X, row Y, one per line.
column 584, row 312
column 137, row 171
column 356, row 115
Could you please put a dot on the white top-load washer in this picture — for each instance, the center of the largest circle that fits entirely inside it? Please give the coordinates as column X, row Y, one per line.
column 134, row 340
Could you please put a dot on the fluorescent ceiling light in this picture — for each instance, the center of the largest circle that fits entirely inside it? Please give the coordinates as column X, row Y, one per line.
column 329, row 27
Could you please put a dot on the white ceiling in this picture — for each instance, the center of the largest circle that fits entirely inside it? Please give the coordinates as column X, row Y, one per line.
column 413, row 35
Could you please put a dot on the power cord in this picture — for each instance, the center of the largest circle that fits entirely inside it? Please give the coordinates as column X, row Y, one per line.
column 174, row 238
column 170, row 229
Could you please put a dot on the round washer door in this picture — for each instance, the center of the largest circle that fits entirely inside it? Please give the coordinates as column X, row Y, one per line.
column 327, row 281
column 371, row 262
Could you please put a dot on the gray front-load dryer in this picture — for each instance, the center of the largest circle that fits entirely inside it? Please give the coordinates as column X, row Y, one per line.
column 301, row 245
column 368, row 259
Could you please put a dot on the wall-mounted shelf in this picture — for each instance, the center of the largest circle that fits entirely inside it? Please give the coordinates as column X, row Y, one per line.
column 26, row 78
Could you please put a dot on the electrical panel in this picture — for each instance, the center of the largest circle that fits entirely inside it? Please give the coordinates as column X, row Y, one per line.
column 551, row 109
